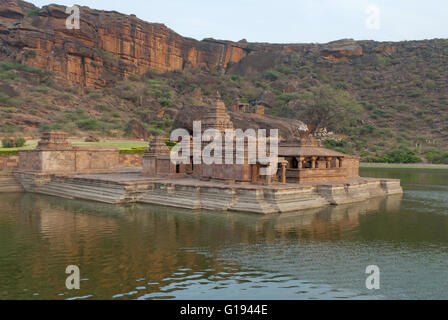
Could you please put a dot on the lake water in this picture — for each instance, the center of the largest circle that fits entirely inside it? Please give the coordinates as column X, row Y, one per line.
column 145, row 252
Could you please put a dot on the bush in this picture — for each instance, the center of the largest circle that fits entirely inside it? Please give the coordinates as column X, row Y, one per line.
column 95, row 95
column 342, row 146
column 414, row 94
column 155, row 131
column 285, row 70
column 88, row 124
column 33, row 13
column 7, row 143
column 9, row 153
column 13, row 143
column 437, row 156
column 402, row 155
column 166, row 102
column 402, row 107
column 341, row 86
column 286, row 97
column 16, row 65
column 29, row 54
column 8, row 75
column 102, row 107
column 134, row 77
column 20, row 142
column 46, row 126
column 8, row 101
column 430, row 84
column 134, row 150
column 272, row 75
column 3, row 98
column 43, row 89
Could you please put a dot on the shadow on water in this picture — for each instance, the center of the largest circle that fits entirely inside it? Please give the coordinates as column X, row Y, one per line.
column 144, row 252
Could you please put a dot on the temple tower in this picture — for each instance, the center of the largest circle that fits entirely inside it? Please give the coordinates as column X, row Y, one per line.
column 217, row 117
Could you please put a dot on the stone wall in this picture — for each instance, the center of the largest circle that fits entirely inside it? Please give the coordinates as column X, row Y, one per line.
column 311, row 176
column 9, row 163
column 79, row 160
column 352, row 166
column 130, row 160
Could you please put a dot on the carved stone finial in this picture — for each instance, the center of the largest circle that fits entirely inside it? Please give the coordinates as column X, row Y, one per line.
column 54, row 139
column 157, row 146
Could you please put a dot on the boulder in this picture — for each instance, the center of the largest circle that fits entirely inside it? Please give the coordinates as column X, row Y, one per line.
column 136, row 129
column 340, row 49
column 92, row 139
column 242, row 120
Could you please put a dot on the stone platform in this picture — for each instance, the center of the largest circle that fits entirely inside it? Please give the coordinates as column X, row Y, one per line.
column 129, row 185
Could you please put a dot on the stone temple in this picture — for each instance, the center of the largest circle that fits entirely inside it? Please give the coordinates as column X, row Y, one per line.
column 305, row 175
column 301, row 160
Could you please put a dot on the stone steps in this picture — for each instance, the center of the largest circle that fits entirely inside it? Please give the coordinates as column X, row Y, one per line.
column 75, row 188
column 9, row 184
column 173, row 196
column 195, row 195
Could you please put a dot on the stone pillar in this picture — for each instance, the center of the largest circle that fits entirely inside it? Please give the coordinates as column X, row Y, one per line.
column 254, row 173
column 341, row 160
column 313, row 162
column 300, row 160
column 157, row 147
column 329, row 159
column 283, row 172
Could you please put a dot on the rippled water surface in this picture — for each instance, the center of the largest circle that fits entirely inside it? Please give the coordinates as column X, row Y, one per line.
column 148, row 252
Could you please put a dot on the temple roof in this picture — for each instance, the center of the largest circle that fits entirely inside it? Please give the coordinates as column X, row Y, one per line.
column 306, row 147
column 290, row 151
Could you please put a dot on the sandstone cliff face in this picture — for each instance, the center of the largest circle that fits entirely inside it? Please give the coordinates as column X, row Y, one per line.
column 338, row 50
column 106, row 45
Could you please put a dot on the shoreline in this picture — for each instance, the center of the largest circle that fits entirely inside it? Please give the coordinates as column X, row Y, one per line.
column 403, row 166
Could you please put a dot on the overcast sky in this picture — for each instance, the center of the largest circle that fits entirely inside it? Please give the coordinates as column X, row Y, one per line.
column 288, row 21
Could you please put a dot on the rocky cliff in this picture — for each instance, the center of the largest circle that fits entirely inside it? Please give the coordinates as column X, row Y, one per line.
column 108, row 44
column 400, row 87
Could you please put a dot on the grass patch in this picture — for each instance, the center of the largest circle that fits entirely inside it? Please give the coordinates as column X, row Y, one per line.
column 120, row 144
column 134, row 150
column 9, row 152
column 403, row 166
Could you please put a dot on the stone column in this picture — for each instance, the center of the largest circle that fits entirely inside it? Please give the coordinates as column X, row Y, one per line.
column 254, row 173
column 283, row 172
column 341, row 160
column 313, row 162
column 300, row 160
column 329, row 159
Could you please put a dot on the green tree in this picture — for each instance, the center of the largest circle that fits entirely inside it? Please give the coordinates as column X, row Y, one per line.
column 327, row 107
